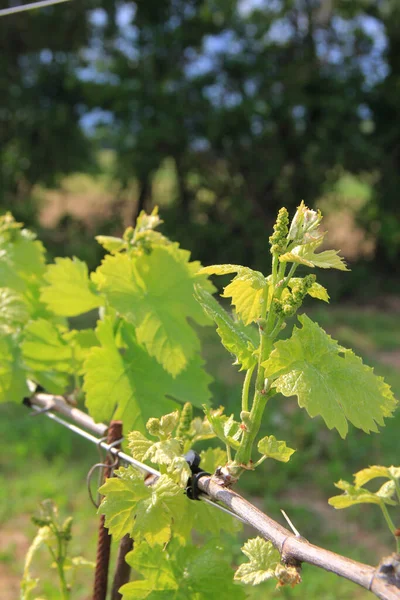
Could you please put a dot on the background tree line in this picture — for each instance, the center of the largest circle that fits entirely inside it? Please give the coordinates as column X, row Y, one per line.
column 251, row 104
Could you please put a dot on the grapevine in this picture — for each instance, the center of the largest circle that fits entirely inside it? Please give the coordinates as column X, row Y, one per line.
column 142, row 364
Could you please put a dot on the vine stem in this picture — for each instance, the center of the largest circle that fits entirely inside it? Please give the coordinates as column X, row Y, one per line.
column 296, row 549
column 390, row 524
column 246, row 387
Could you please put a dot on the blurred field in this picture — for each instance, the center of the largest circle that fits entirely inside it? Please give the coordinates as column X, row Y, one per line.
column 39, row 459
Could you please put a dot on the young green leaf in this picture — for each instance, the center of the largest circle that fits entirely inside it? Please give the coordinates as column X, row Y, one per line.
column 120, row 385
column 163, row 427
column 69, row 291
column 155, row 293
column 14, row 311
column 145, row 513
column 177, row 573
column 13, row 385
column 248, row 290
column 138, row 444
column 329, row 380
column 233, row 334
column 226, row 428
column 47, row 347
column 22, row 261
column 358, row 495
column 305, row 255
column 263, row 560
column 366, row 475
column 110, row 243
column 271, row 448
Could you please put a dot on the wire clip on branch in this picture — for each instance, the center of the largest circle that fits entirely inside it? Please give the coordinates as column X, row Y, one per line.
column 192, row 489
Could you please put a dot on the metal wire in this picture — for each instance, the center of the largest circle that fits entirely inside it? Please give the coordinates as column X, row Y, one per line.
column 30, row 6
column 122, row 455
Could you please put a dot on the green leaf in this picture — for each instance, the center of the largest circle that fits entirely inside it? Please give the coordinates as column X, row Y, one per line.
column 110, row 243
column 315, row 291
column 305, row 255
column 226, row 428
column 357, row 495
column 233, row 335
column 138, row 444
column 22, row 261
column 163, row 427
column 212, row 458
column 177, row 573
column 14, row 310
column 164, row 452
column 271, row 448
column 248, row 290
column 263, row 560
column 329, row 380
column 144, row 512
column 13, row 387
column 365, row 475
column 155, row 293
column 132, row 386
column 69, row 291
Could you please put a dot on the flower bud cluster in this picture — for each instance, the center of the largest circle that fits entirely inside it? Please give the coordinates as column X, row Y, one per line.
column 278, row 239
column 185, row 420
column 292, row 299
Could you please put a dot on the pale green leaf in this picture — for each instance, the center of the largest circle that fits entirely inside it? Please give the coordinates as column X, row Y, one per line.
column 13, row 387
column 226, row 428
column 22, row 261
column 69, row 291
column 138, row 444
column 51, row 352
column 233, row 335
column 365, row 475
column 163, row 427
column 144, row 512
column 220, row 269
column 212, row 458
column 305, row 255
column 14, row 310
column 110, row 243
column 356, row 495
column 155, row 292
column 133, row 386
column 269, row 446
column 164, row 452
column 248, row 290
column 263, row 560
column 329, row 380
column 387, row 491
column 315, row 291
column 181, row 573
column 305, row 224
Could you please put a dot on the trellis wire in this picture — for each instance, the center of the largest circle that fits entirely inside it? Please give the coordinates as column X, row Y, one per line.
column 31, row 6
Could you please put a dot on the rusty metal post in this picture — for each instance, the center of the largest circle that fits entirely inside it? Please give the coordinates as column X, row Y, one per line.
column 114, row 433
column 122, row 569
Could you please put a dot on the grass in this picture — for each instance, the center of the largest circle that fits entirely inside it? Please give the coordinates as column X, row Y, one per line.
column 39, row 459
